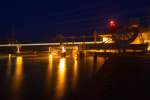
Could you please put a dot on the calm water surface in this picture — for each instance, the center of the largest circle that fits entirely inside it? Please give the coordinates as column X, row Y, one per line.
column 44, row 77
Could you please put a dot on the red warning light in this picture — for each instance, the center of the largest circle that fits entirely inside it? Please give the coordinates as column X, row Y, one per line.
column 112, row 24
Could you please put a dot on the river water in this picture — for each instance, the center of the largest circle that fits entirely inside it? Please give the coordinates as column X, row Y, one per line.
column 45, row 77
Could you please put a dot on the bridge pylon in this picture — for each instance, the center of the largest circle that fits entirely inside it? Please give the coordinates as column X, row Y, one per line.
column 18, row 49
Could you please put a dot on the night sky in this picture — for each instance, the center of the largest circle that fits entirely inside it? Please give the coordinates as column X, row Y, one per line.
column 39, row 20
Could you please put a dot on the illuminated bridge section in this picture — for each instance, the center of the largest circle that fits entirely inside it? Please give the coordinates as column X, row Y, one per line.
column 50, row 44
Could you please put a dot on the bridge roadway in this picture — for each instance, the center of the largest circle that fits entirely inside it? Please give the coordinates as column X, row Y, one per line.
column 48, row 44
column 7, row 48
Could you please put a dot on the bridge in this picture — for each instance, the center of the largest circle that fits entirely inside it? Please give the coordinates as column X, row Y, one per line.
column 105, row 45
column 49, row 44
column 115, row 41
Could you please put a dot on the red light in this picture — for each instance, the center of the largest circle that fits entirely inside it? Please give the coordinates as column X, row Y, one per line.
column 112, row 23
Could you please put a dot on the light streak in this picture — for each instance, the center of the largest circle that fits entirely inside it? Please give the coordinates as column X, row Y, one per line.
column 48, row 44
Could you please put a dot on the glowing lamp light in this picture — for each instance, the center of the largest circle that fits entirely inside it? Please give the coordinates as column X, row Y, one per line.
column 63, row 50
column 112, row 23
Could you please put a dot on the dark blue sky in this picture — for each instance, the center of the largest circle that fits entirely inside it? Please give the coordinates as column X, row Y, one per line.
column 39, row 20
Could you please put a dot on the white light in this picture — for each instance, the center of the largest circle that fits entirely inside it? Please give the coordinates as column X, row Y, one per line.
column 63, row 49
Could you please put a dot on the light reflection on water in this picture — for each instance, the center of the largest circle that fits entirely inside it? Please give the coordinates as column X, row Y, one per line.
column 61, row 78
column 100, row 62
column 18, row 76
column 49, row 73
column 75, row 73
column 9, row 64
column 60, row 75
column 50, row 65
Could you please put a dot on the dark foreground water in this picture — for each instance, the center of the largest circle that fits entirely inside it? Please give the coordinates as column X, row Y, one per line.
column 47, row 77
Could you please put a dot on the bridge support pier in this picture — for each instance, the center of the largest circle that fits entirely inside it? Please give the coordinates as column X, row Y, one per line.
column 49, row 50
column 95, row 58
column 95, row 55
column 18, row 53
column 82, row 54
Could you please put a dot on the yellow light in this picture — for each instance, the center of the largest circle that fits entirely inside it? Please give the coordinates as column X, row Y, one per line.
column 9, row 65
column 49, row 49
column 18, row 75
column 50, row 64
column 60, row 86
column 75, row 72
column 9, row 55
column 146, row 37
column 50, row 56
column 62, row 65
column 107, row 40
column 148, row 48
column 49, row 73
column 18, row 66
column 137, row 41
